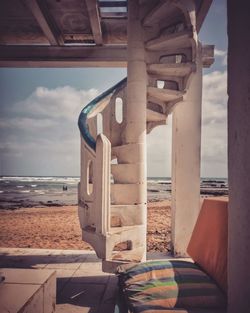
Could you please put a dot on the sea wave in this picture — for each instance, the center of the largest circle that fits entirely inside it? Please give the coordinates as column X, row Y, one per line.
column 33, row 190
column 39, row 192
column 40, row 179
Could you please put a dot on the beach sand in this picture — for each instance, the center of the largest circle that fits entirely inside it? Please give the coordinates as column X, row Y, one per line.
column 58, row 228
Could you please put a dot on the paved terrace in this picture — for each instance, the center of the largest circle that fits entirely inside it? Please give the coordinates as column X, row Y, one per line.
column 81, row 284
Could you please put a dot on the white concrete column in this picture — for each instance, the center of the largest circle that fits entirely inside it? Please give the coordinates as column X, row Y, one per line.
column 239, row 156
column 186, row 147
column 137, row 78
column 137, row 100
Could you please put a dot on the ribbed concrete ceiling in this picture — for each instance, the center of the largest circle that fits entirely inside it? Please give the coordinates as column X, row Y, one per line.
column 98, row 26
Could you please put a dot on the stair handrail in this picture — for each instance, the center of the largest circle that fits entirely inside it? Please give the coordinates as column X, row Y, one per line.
column 82, row 120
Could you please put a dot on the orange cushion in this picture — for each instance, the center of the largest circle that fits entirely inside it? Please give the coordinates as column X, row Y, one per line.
column 208, row 244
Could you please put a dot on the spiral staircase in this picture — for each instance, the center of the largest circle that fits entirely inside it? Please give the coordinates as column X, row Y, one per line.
column 111, row 197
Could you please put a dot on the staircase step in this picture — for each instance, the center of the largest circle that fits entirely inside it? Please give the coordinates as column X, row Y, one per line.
column 164, row 94
column 170, row 107
column 103, row 244
column 110, row 266
column 154, row 116
column 128, row 237
column 182, row 39
column 124, row 229
column 121, row 258
column 169, row 69
column 128, row 153
column 127, row 215
column 126, row 193
column 126, row 173
column 129, row 255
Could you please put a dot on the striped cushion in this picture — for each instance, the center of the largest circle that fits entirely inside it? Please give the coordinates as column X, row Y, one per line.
column 159, row 285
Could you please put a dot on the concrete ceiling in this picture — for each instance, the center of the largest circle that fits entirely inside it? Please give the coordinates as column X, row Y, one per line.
column 33, row 30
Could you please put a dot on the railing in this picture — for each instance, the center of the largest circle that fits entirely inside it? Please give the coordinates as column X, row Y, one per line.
column 89, row 108
column 94, row 189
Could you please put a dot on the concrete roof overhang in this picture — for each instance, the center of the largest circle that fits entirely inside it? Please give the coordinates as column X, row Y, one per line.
column 68, row 33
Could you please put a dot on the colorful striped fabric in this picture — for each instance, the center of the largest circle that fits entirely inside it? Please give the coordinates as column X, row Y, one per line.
column 161, row 285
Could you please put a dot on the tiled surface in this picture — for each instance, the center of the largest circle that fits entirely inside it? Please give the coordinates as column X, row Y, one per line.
column 90, row 295
column 81, row 284
column 22, row 276
column 63, row 276
column 9, row 292
column 27, row 290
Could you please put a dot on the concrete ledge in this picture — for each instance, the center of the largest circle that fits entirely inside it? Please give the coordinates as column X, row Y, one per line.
column 28, row 291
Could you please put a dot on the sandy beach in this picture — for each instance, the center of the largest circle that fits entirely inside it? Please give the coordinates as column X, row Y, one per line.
column 58, row 227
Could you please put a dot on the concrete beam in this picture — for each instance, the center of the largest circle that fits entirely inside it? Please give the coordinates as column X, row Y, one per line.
column 47, row 56
column 45, row 21
column 93, row 11
column 207, row 55
column 202, row 13
column 113, row 4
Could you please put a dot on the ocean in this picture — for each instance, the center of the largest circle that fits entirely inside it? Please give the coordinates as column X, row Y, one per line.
column 33, row 191
column 37, row 191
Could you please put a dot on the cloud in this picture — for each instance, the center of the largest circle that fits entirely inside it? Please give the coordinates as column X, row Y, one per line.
column 40, row 133
column 218, row 52
column 62, row 102
column 159, row 145
column 214, row 133
column 222, row 55
column 214, row 122
column 214, row 97
column 22, row 123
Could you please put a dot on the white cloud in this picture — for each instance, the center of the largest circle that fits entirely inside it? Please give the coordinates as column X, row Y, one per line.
column 214, row 131
column 159, row 150
column 218, row 52
column 63, row 102
column 214, row 97
column 222, row 54
column 23, row 123
column 40, row 133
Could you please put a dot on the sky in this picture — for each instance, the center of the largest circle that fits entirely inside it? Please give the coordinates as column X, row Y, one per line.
column 39, row 109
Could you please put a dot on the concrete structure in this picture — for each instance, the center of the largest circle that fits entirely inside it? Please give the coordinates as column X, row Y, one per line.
column 164, row 76
column 186, row 161
column 43, row 33
column 28, row 291
column 238, row 156
column 158, row 42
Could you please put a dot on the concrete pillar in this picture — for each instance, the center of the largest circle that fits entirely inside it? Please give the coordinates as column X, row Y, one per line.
column 137, row 100
column 239, row 156
column 186, row 145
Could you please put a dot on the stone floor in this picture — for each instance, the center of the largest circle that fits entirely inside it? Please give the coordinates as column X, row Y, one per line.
column 81, row 284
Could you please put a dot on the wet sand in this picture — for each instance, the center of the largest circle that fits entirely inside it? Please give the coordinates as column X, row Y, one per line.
column 58, row 228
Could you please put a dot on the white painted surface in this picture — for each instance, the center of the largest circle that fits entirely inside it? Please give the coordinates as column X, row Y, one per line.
column 186, row 163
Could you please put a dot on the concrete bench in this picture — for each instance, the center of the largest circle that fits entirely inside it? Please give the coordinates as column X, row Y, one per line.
column 28, row 291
